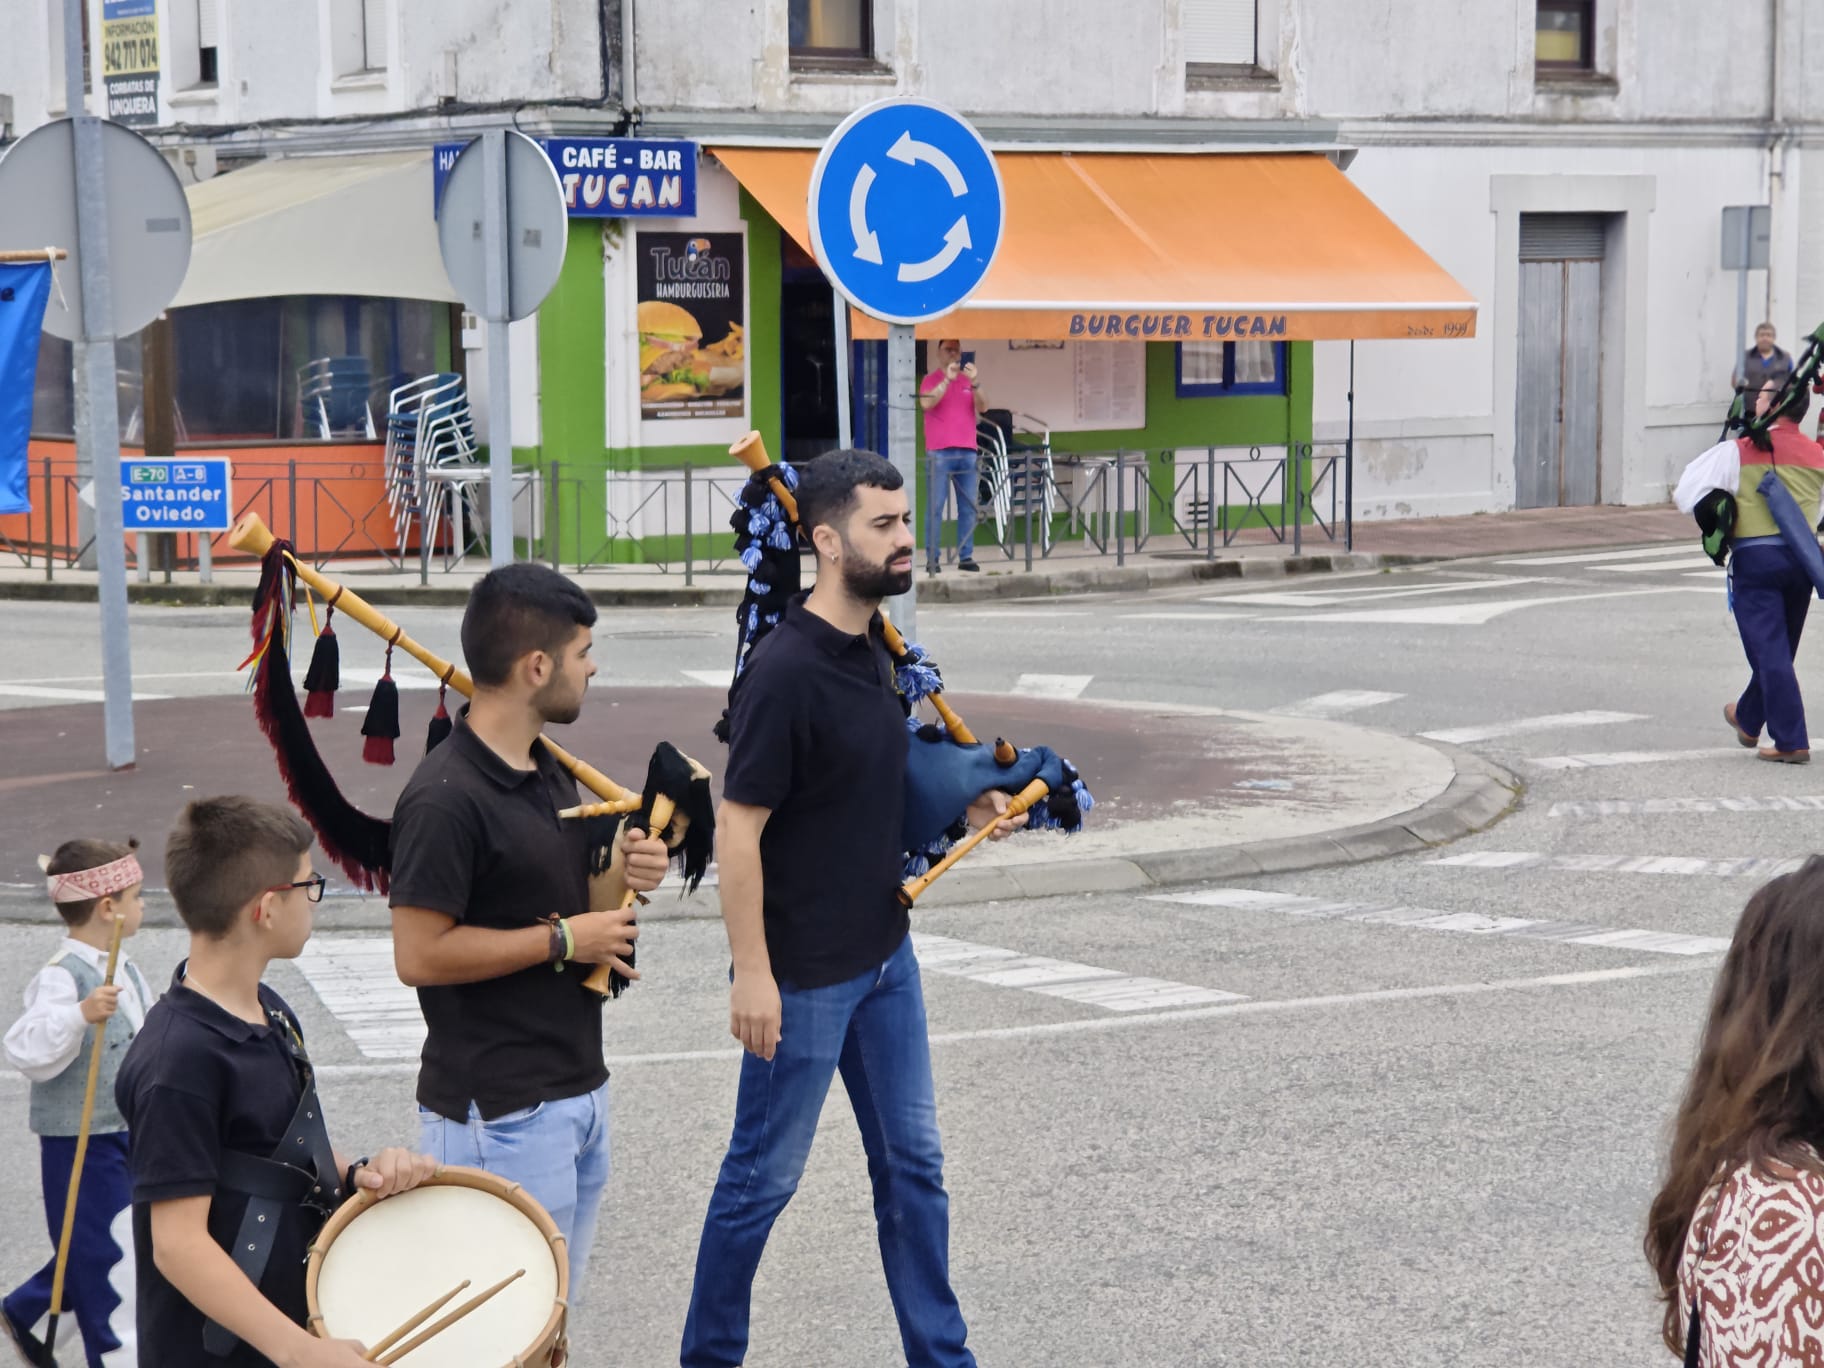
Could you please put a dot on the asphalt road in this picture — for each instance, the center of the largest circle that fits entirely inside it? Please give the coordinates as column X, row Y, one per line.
column 1416, row 1108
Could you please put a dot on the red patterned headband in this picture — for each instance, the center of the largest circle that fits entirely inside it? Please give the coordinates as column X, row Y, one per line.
column 85, row 885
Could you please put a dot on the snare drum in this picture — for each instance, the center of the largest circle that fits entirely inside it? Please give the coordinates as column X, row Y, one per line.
column 376, row 1264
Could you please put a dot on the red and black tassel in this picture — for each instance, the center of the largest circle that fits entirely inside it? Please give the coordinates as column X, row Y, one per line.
column 381, row 727
column 324, row 676
column 441, row 726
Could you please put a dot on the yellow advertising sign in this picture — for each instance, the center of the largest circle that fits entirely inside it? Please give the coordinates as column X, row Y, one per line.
column 129, row 60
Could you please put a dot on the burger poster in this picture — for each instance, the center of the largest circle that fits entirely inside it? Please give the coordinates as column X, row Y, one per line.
column 692, row 325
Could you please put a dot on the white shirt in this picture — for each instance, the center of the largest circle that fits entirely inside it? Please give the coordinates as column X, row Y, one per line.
column 44, row 1042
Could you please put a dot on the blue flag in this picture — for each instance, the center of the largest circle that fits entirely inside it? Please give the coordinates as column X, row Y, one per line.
column 24, row 291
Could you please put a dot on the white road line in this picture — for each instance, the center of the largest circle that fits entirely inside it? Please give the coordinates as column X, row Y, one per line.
column 1324, row 598
column 1591, row 557
column 1012, row 613
column 1660, row 807
column 1336, row 704
column 1611, row 759
column 1477, row 614
column 1189, row 617
column 61, row 695
column 355, row 980
column 716, row 679
column 1084, row 983
column 1682, row 563
column 1743, row 867
column 137, row 674
column 1519, row 726
column 1467, row 923
column 1051, row 686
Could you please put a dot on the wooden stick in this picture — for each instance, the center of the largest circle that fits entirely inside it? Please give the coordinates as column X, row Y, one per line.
column 614, row 809
column 662, row 808
column 1024, row 799
column 250, row 534
column 437, row 1327
column 389, row 1341
column 82, row 1150
column 26, row 258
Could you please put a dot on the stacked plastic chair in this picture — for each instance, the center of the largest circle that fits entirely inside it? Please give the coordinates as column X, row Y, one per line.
column 333, row 394
column 432, row 460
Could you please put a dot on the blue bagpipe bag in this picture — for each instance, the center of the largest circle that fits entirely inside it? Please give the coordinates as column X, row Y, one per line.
column 1795, row 527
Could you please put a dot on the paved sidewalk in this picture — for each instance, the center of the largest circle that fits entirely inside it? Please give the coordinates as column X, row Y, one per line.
column 1182, row 793
column 1166, row 561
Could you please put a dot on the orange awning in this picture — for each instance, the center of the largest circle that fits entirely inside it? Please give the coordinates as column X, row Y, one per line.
column 1183, row 246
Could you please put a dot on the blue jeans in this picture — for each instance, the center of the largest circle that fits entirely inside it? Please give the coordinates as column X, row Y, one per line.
column 870, row 1029
column 1772, row 594
column 951, row 466
column 557, row 1151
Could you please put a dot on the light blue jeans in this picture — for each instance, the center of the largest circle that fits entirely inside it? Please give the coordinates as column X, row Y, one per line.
column 951, row 466
column 871, row 1031
column 557, row 1151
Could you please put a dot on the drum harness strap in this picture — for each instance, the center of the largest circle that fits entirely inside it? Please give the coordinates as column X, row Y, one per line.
column 300, row 1173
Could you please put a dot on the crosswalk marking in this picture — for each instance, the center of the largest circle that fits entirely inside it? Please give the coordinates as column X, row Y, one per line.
column 1611, row 759
column 1519, row 726
column 1327, row 598
column 1051, row 686
column 1431, row 919
column 1742, row 867
column 354, row 978
column 1105, row 988
column 1336, row 704
column 1661, row 807
column 716, row 679
column 53, row 693
column 1591, row 557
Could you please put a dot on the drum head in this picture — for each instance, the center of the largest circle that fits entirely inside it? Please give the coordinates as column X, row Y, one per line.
column 399, row 1255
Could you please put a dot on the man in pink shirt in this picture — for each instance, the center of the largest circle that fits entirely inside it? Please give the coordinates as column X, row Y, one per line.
column 951, row 400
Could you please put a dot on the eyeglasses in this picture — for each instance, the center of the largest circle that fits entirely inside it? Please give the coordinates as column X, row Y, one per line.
column 314, row 887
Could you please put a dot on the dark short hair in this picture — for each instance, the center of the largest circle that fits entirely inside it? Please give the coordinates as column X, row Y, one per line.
column 518, row 609
column 80, row 854
column 827, row 485
column 224, row 852
column 1798, row 405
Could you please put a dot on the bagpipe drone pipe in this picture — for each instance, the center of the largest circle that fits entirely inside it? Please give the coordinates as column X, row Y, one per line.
column 675, row 803
column 947, row 767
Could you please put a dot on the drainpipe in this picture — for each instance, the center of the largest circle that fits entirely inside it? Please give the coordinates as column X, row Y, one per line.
column 1776, row 145
column 630, row 91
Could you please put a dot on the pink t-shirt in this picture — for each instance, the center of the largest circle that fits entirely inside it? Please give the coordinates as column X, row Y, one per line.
column 950, row 422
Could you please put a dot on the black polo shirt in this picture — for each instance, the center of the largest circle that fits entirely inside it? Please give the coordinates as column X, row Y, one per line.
column 481, row 841
column 817, row 736
column 198, row 1081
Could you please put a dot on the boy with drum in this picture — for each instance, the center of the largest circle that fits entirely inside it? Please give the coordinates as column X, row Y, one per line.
column 233, row 1171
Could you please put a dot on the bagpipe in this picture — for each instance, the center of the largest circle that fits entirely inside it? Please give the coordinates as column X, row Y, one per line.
column 947, row 767
column 674, row 804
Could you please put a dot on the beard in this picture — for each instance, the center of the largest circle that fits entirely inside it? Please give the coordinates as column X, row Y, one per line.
column 871, row 582
column 558, row 705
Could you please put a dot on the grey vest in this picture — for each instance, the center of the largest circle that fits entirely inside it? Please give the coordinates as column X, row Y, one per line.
column 57, row 1105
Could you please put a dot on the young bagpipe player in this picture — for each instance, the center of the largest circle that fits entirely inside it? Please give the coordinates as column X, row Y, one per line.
column 947, row 768
column 675, row 803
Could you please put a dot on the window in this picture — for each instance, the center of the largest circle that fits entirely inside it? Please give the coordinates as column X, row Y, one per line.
column 1564, row 36
column 1218, row 33
column 192, row 30
column 205, row 41
column 832, row 30
column 1214, row 370
column 357, row 37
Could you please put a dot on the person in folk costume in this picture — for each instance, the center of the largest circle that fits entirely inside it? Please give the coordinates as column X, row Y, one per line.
column 1770, row 588
column 490, row 902
column 233, row 1171
column 1735, row 1235
column 824, row 979
column 95, row 887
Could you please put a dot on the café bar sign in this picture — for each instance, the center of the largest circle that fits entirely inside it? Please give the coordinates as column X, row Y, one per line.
column 609, row 177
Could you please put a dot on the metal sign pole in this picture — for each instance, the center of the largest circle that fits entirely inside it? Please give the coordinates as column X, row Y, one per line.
column 97, row 406
column 902, row 450
column 500, row 366
column 845, row 432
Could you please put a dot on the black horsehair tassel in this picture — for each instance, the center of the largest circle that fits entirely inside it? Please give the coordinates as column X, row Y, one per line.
column 382, row 725
column 441, row 726
column 324, row 676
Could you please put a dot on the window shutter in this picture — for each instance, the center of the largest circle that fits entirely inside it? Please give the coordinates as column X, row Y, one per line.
column 373, row 19
column 1561, row 237
column 206, row 23
column 1219, row 32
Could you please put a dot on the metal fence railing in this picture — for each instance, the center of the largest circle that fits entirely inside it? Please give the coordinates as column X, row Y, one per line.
column 1034, row 506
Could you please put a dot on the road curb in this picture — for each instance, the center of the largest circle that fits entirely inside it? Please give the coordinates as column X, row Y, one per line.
column 954, row 588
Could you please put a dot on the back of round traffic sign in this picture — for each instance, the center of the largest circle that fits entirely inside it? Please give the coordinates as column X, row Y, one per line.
column 538, row 226
column 148, row 223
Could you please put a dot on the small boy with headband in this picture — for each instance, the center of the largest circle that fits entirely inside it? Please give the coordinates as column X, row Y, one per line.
column 95, row 887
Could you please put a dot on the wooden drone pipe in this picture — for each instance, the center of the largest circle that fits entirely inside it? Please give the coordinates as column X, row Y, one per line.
column 251, row 535
column 662, row 807
column 1021, row 802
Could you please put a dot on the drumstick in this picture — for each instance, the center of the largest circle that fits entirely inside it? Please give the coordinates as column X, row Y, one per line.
column 1024, row 799
column 439, row 1326
column 414, row 1322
